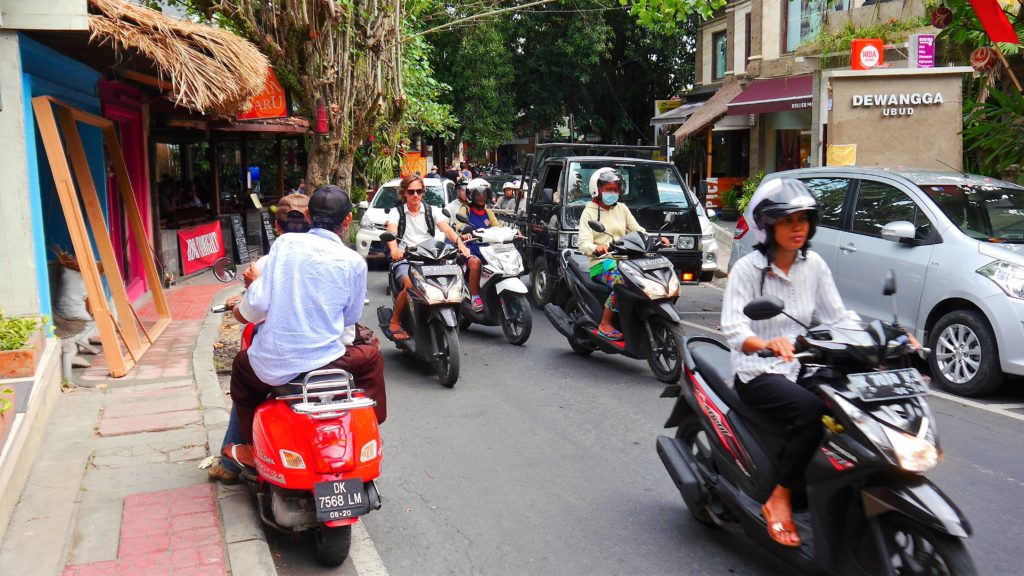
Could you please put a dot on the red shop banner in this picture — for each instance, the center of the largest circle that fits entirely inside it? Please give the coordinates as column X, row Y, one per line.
column 200, row 246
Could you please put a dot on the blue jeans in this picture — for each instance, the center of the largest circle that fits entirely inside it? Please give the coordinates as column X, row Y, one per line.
column 232, row 435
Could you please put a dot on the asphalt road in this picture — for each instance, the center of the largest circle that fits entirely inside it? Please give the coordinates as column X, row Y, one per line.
column 542, row 462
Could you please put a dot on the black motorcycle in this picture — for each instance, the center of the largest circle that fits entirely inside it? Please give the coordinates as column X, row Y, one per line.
column 431, row 318
column 647, row 316
column 869, row 509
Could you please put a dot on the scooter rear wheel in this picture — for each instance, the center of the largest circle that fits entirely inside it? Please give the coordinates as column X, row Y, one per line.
column 693, row 435
column 583, row 348
column 447, row 361
column 331, row 545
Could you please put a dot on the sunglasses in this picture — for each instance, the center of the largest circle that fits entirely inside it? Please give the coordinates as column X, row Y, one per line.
column 415, row 191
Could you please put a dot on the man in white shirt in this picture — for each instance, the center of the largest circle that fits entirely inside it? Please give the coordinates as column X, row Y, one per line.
column 461, row 199
column 411, row 224
column 310, row 288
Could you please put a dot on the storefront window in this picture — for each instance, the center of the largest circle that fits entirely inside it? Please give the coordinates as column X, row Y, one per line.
column 720, row 48
column 730, row 154
column 184, row 186
column 802, row 21
column 792, row 149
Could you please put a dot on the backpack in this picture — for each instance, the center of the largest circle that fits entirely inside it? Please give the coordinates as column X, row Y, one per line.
column 428, row 214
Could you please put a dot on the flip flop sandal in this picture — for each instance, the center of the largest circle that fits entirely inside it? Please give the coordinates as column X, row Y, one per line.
column 399, row 335
column 777, row 530
column 614, row 335
column 232, row 451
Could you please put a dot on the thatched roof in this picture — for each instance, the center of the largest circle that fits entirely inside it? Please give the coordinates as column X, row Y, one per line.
column 210, row 70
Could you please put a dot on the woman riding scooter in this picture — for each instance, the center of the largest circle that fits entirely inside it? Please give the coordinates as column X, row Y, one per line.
column 784, row 215
column 606, row 185
column 480, row 216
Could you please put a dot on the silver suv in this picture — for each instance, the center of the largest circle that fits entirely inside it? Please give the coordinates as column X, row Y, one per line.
column 956, row 242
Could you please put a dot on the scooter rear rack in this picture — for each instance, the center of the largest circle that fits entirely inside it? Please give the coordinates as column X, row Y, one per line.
column 324, row 392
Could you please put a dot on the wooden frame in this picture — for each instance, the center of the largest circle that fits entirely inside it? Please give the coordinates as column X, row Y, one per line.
column 49, row 111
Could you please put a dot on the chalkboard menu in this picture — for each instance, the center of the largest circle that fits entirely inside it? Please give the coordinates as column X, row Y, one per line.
column 268, row 231
column 241, row 249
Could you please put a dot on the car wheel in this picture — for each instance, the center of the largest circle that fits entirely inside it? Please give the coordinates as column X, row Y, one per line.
column 540, row 282
column 965, row 356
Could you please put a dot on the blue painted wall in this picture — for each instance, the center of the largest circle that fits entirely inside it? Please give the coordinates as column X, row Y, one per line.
column 46, row 72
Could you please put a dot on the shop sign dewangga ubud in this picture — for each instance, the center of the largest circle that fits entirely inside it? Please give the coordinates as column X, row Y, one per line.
column 898, row 104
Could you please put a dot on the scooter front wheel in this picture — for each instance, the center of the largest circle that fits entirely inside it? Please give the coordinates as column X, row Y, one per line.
column 446, row 362
column 910, row 548
column 331, row 545
column 663, row 356
column 516, row 319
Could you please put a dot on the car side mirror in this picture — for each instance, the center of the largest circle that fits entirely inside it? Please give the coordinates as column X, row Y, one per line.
column 899, row 230
column 763, row 308
column 462, row 218
column 712, row 215
column 363, row 205
column 224, row 269
column 387, row 237
column 889, row 287
column 596, row 226
column 549, row 195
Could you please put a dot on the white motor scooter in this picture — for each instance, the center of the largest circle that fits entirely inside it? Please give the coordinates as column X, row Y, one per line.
column 503, row 293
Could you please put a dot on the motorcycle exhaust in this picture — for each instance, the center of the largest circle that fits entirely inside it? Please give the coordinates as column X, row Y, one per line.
column 677, row 461
column 559, row 319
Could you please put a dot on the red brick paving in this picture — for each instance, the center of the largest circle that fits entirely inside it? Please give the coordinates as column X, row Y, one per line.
column 165, row 533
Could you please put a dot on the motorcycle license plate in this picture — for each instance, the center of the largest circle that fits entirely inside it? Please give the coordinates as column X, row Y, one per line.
column 650, row 263
column 447, row 270
column 888, row 384
column 339, row 499
column 500, row 248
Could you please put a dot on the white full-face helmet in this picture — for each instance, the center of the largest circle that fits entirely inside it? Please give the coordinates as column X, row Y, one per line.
column 604, row 176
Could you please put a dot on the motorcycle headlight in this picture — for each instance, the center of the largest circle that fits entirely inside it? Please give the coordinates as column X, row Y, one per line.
column 433, row 294
column 673, row 286
column 1006, row 275
column 913, row 454
column 867, row 425
column 684, row 242
column 651, row 288
column 366, row 224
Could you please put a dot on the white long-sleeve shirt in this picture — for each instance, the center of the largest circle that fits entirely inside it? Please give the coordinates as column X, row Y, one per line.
column 806, row 290
column 311, row 287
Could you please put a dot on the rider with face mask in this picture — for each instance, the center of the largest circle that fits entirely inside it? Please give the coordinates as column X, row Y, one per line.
column 606, row 185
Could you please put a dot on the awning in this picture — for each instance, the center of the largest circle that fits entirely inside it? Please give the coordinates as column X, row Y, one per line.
column 774, row 95
column 711, row 111
column 676, row 115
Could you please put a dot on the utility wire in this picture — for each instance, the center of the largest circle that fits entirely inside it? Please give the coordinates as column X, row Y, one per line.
column 478, row 16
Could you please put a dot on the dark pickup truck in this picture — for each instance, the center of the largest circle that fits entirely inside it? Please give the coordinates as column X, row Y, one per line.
column 558, row 193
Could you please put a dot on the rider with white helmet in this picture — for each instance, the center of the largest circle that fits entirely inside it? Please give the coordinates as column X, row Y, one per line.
column 478, row 194
column 606, row 186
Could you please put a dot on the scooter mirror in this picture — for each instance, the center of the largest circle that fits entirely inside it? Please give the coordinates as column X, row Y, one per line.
column 462, row 218
column 889, row 288
column 596, row 226
column 224, row 269
column 763, row 308
column 446, row 213
column 465, row 230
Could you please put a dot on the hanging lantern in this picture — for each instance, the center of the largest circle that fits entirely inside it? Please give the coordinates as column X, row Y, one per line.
column 321, row 116
column 984, row 59
column 941, row 17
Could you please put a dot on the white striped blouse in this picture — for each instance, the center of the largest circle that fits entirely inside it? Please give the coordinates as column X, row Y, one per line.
column 807, row 290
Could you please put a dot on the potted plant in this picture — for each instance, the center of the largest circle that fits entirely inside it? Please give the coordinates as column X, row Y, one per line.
column 729, row 199
column 7, row 414
column 21, row 345
column 749, row 186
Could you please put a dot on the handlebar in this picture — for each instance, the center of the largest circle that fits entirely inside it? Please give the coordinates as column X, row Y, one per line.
column 219, row 309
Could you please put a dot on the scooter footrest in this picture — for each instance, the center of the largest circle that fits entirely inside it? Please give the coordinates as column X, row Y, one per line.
column 617, row 343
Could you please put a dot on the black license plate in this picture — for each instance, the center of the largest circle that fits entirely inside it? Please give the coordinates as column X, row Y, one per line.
column 888, row 385
column 651, row 263
column 449, row 270
column 339, row 499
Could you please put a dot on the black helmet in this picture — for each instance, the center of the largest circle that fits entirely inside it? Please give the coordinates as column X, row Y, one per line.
column 328, row 207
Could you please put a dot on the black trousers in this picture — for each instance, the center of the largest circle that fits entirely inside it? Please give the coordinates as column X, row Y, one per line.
column 799, row 409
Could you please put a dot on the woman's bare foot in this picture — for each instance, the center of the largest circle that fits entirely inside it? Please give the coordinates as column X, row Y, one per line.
column 778, row 514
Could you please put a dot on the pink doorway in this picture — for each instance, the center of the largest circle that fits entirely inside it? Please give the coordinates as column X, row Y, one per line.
column 123, row 104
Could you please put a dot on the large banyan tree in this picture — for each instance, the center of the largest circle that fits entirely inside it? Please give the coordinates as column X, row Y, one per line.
column 344, row 55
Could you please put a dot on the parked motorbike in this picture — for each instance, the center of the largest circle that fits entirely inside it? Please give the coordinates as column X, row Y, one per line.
column 317, row 451
column 503, row 293
column 431, row 318
column 869, row 508
column 647, row 316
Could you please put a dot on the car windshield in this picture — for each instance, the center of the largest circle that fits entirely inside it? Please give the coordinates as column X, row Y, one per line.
column 647, row 185
column 388, row 195
column 989, row 213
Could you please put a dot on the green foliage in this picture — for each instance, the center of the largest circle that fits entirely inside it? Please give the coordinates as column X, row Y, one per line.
column 967, row 33
column 749, row 187
column 995, row 130
column 839, row 43
column 730, row 199
column 6, row 399
column 665, row 15
column 16, row 331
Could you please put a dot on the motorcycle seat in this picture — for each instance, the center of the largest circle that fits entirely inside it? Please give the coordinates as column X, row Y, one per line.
column 714, row 362
column 295, row 386
column 580, row 266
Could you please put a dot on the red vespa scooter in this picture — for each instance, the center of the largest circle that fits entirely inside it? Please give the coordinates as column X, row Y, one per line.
column 317, row 450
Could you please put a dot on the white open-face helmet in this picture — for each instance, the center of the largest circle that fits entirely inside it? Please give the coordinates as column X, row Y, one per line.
column 478, row 186
column 775, row 199
column 603, row 176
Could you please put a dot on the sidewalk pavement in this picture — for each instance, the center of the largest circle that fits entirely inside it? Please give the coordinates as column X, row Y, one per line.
column 116, row 488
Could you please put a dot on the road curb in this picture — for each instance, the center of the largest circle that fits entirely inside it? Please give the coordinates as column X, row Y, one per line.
column 248, row 552
column 724, row 239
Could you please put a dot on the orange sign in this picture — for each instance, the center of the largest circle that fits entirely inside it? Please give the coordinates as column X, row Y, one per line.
column 270, row 103
column 413, row 162
column 867, row 53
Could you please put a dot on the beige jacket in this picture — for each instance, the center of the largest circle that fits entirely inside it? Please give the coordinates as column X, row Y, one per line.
column 618, row 221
